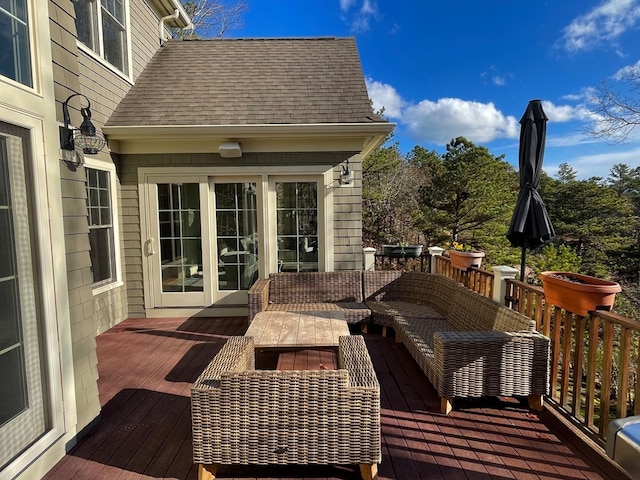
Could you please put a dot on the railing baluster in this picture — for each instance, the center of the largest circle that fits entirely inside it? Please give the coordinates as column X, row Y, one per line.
column 555, row 351
column 578, row 362
column 623, row 371
column 566, row 355
column 592, row 366
column 605, row 390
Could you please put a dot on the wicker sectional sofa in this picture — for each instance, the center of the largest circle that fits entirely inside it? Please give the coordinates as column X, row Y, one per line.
column 311, row 292
column 261, row 417
column 466, row 344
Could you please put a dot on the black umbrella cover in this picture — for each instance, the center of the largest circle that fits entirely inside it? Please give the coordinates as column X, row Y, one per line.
column 530, row 224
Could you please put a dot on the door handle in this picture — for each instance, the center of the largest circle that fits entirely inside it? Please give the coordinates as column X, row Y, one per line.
column 150, row 247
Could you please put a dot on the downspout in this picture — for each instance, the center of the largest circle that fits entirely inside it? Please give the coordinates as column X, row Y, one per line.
column 175, row 15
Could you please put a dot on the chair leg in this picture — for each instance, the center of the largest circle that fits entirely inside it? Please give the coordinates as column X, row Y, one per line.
column 384, row 330
column 207, row 472
column 369, row 471
column 446, row 405
column 363, row 327
column 536, row 402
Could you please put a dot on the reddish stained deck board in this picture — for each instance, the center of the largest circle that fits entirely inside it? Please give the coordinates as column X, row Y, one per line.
column 146, row 367
column 308, row 359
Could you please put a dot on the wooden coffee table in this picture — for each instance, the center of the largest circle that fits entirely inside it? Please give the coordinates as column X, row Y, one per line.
column 298, row 340
column 272, row 329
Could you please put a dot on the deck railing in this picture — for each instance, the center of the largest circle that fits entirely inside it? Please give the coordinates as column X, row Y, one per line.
column 595, row 362
column 595, row 358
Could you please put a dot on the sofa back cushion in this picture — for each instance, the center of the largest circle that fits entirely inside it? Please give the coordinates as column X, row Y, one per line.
column 429, row 289
column 316, row 287
column 471, row 311
column 382, row 285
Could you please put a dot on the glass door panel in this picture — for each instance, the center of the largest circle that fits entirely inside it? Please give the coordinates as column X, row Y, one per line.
column 180, row 270
column 180, row 237
column 236, row 214
column 297, row 226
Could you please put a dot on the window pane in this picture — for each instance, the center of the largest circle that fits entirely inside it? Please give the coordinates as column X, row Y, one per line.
column 114, row 43
column 101, row 254
column 7, row 267
column 15, row 56
column 86, row 23
column 10, row 318
column 297, row 226
column 14, row 389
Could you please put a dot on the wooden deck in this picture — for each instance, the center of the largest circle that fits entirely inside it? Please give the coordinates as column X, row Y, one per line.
column 147, row 365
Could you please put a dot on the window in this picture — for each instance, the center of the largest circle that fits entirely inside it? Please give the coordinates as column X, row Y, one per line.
column 15, row 59
column 101, row 26
column 102, row 228
column 297, row 226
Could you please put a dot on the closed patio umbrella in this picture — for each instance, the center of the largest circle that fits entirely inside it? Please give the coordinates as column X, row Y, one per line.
column 530, row 225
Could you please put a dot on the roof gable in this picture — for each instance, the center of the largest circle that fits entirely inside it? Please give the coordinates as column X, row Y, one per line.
column 249, row 82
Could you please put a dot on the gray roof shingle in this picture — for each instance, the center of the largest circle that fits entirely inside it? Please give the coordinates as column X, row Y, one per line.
column 249, row 82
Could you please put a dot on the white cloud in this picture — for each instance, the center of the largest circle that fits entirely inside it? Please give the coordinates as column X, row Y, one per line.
column 499, row 81
column 385, row 96
column 566, row 113
column 445, row 119
column 604, row 24
column 630, row 71
column 597, row 165
column 359, row 17
column 439, row 122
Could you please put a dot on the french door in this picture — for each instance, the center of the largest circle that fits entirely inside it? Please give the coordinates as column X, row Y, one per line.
column 180, row 263
column 237, row 209
column 23, row 417
column 210, row 237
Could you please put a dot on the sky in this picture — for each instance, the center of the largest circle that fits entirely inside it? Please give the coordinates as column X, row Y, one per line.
column 444, row 69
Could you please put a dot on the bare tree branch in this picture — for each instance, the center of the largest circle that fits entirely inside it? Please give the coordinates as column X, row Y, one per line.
column 212, row 18
column 618, row 114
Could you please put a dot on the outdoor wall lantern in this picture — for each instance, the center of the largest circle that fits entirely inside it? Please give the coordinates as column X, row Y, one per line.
column 346, row 176
column 85, row 138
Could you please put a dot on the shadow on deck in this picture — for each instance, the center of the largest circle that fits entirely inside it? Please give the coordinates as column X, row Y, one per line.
column 146, row 367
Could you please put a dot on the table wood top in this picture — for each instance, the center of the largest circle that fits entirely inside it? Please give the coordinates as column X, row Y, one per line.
column 297, row 329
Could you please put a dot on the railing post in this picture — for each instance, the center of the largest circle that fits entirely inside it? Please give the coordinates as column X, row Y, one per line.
column 369, row 258
column 502, row 273
column 434, row 252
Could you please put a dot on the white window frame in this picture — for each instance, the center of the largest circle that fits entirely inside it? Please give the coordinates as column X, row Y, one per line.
column 111, row 170
column 98, row 53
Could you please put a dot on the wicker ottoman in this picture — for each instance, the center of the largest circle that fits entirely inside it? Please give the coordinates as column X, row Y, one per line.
column 261, row 417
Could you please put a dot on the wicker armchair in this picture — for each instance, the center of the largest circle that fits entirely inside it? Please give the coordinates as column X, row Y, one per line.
column 246, row 416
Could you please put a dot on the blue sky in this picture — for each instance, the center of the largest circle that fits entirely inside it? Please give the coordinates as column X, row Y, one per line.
column 442, row 69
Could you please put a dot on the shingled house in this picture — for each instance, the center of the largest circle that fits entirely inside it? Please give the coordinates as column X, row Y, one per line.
column 230, row 155
column 223, row 164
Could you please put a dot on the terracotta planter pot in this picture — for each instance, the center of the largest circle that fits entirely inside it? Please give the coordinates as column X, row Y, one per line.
column 465, row 260
column 586, row 295
column 399, row 251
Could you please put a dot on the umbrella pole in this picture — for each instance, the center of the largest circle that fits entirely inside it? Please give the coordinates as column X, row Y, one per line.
column 523, row 256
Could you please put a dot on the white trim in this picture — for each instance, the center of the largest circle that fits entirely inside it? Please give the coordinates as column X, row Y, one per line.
column 51, row 289
column 97, row 58
column 110, row 168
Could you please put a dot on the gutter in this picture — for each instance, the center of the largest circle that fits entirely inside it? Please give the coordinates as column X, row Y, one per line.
column 179, row 12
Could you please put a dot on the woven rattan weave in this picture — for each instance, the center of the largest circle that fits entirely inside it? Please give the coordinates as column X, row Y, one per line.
column 245, row 416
